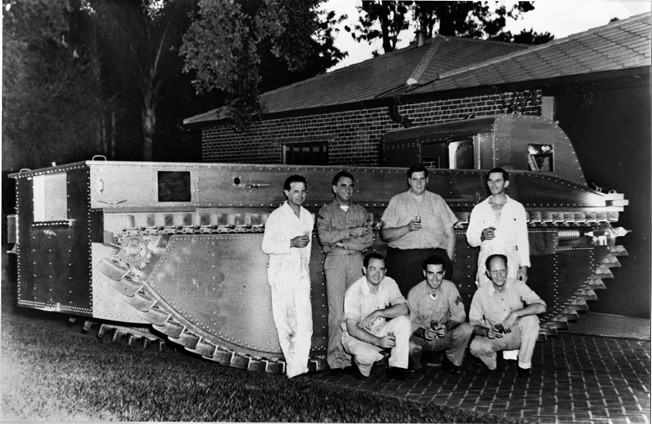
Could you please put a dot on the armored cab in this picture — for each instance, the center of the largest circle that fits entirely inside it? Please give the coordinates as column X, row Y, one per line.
column 177, row 246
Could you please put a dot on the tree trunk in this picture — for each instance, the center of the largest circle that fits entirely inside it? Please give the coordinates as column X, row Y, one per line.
column 112, row 148
column 149, row 125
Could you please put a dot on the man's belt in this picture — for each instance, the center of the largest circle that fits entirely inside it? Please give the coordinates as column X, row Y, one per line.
column 343, row 252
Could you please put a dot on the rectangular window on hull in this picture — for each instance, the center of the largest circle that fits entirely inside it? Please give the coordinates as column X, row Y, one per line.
column 313, row 153
column 50, row 198
column 540, row 157
column 449, row 155
column 173, row 186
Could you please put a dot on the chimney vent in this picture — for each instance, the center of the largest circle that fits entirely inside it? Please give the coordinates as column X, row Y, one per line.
column 421, row 37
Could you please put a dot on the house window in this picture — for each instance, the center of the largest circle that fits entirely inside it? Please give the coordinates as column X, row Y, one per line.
column 313, row 153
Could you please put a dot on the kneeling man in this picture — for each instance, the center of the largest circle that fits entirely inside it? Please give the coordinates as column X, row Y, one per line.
column 504, row 317
column 438, row 318
column 375, row 318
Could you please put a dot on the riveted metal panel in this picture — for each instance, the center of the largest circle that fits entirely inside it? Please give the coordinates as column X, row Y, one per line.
column 54, row 262
column 218, row 283
column 513, row 134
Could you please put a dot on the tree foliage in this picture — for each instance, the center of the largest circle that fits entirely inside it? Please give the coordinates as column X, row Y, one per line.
column 52, row 104
column 472, row 19
column 524, row 37
column 229, row 44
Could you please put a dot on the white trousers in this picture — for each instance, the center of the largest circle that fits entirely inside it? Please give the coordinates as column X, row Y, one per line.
column 365, row 354
column 523, row 337
column 293, row 319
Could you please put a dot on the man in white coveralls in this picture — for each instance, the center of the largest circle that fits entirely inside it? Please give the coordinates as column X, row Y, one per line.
column 287, row 241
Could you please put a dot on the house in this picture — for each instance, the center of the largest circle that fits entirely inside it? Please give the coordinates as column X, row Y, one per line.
column 595, row 84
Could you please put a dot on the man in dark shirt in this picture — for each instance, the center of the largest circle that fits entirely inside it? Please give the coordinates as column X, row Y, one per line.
column 344, row 230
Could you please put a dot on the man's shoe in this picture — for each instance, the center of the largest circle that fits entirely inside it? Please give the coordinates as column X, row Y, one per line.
column 500, row 363
column 355, row 373
column 524, row 372
column 307, row 374
column 416, row 368
column 349, row 370
column 339, row 371
column 394, row 373
column 420, row 370
column 447, row 365
column 336, row 372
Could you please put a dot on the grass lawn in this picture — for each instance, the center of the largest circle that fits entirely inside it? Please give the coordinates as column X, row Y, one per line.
column 50, row 372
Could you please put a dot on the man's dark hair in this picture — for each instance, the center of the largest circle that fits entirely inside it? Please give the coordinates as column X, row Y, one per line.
column 341, row 174
column 488, row 261
column 434, row 260
column 417, row 167
column 294, row 179
column 501, row 170
column 370, row 256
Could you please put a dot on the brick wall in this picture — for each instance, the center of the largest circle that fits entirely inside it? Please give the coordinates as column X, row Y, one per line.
column 354, row 136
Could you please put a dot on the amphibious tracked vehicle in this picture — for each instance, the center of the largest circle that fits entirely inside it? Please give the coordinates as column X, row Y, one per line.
column 174, row 249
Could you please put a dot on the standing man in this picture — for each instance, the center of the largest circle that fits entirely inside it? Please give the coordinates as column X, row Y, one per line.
column 438, row 318
column 375, row 318
column 499, row 225
column 504, row 316
column 344, row 230
column 287, row 241
column 417, row 224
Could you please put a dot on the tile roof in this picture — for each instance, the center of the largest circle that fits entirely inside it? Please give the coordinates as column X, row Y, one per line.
column 384, row 74
column 619, row 45
column 379, row 76
column 447, row 63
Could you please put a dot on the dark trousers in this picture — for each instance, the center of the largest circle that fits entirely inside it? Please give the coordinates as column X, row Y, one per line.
column 406, row 266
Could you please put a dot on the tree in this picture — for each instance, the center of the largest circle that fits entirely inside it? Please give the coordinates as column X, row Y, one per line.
column 52, row 103
column 479, row 19
column 390, row 15
column 226, row 48
column 139, row 44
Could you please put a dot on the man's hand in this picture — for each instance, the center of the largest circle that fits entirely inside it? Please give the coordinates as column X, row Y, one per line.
column 414, row 225
column 358, row 232
column 440, row 330
column 522, row 274
column 369, row 320
column 300, row 241
column 509, row 322
column 488, row 233
column 429, row 334
column 494, row 333
column 388, row 341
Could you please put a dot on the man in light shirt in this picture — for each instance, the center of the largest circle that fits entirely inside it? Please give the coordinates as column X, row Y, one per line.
column 499, row 225
column 504, row 316
column 417, row 224
column 375, row 319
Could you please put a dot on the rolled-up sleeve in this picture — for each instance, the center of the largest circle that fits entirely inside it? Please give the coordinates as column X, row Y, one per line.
column 476, row 314
column 528, row 295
